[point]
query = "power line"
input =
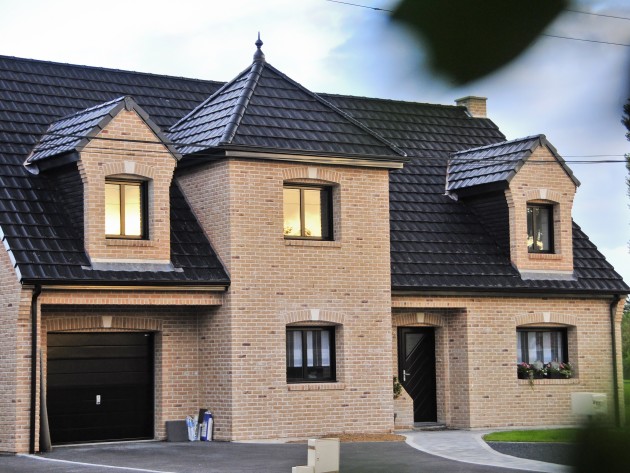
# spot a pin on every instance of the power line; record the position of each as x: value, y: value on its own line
x: 585, y: 40
x: 361, y: 6
x: 204, y: 146
x: 542, y: 34
x: 598, y: 14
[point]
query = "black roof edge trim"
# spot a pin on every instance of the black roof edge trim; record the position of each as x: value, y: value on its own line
x: 61, y: 160
x: 125, y: 284
x: 480, y: 189
x: 494, y: 292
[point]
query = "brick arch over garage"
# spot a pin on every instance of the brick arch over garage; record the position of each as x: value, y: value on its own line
x: 102, y: 323
x: 545, y: 318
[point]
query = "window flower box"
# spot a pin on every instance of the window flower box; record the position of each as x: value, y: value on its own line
x: 538, y: 370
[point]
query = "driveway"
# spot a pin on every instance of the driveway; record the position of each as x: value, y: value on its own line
x: 223, y: 457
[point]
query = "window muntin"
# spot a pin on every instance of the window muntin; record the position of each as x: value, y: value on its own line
x: 540, y: 228
x: 310, y: 354
x: 540, y: 344
x: 307, y: 212
x: 125, y: 209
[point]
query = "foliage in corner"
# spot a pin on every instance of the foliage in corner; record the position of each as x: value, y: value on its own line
x: 397, y: 388
x: 467, y: 40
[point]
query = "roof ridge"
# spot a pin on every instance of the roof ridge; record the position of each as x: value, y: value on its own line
x: 540, y: 137
x: 337, y: 110
x: 173, y: 127
x: 102, y: 68
x: 247, y: 91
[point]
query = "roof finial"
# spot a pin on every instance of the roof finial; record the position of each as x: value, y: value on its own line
x: 259, y: 55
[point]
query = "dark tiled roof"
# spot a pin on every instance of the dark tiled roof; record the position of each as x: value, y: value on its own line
x: 437, y: 243
x: 496, y: 163
x: 73, y: 132
x: 41, y: 229
x: 264, y: 109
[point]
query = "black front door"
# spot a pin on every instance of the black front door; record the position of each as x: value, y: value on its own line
x: 100, y: 386
x: 416, y: 370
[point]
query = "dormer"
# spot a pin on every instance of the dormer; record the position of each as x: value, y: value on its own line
x: 531, y: 181
x: 126, y: 167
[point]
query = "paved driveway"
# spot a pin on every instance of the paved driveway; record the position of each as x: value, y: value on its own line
x: 222, y: 457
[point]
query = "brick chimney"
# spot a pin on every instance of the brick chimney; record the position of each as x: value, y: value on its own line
x: 476, y: 105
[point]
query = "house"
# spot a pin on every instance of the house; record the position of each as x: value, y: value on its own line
x: 277, y: 256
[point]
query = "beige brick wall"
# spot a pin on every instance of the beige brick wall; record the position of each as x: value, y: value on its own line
x: 177, y: 356
x: 541, y: 180
x: 478, y: 335
x: 15, y: 358
x: 131, y: 159
x: 277, y: 282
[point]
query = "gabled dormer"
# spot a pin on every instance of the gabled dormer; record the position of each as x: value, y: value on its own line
x: 126, y: 168
x: 532, y: 183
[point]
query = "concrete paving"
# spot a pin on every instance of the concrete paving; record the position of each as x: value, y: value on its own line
x: 424, y: 452
x: 468, y: 446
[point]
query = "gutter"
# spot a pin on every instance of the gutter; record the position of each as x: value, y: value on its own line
x: 615, y: 367
x: 36, y: 292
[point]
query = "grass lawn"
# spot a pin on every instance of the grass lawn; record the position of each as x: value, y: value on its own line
x: 543, y: 435
x: 551, y: 435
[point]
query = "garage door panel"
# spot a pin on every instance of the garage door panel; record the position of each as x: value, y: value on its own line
x: 104, y: 378
x: 78, y: 373
x: 96, y: 338
x: 97, y: 351
x: 98, y: 366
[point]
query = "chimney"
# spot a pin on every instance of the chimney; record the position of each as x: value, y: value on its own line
x: 476, y: 105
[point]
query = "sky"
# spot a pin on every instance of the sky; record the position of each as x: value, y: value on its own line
x: 571, y: 91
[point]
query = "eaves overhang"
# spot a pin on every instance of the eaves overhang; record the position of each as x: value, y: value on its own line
x: 148, y: 285
x: 495, y: 292
x: 300, y: 156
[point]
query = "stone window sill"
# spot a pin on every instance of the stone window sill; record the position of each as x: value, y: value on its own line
x: 316, y: 387
x: 318, y: 243
x: 126, y: 242
x: 544, y: 382
x: 545, y: 256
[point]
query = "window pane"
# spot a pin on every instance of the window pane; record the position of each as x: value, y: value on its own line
x: 530, y: 229
x: 312, y: 213
x: 543, y: 226
x: 519, y: 348
x: 531, y: 344
x: 133, y: 211
x: 325, y: 357
x: 541, y: 345
x: 292, y: 224
x: 112, y: 209
x: 294, y: 349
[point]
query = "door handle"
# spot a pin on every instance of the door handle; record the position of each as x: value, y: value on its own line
x: 405, y: 374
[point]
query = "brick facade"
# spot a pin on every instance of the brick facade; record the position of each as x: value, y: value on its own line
x: 277, y: 282
x: 127, y: 148
x: 541, y: 180
x: 227, y: 351
x: 477, y: 385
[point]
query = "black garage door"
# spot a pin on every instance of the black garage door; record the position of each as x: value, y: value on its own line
x: 100, y: 386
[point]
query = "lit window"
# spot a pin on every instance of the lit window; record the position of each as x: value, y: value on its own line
x: 540, y: 228
x: 125, y: 209
x: 307, y: 212
x: 541, y: 345
x: 310, y: 354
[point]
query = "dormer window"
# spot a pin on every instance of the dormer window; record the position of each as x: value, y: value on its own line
x: 126, y: 209
x: 540, y: 228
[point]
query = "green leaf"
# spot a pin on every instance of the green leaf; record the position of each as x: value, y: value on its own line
x: 468, y: 39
